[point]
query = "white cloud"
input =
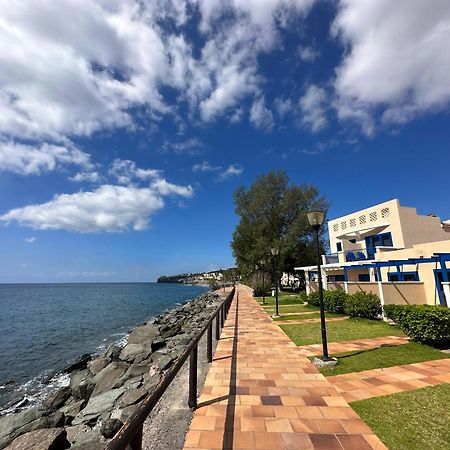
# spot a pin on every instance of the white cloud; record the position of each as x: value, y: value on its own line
x: 232, y: 170
x: 308, y: 54
x: 30, y: 240
x: 190, y: 146
x: 108, y: 208
x: 205, y: 166
x: 283, y: 106
x: 34, y: 160
x: 398, y: 59
x: 55, y: 84
x: 92, y: 177
x: 125, y: 171
x: 313, y: 108
x: 260, y: 116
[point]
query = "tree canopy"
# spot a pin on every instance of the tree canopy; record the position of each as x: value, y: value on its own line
x: 272, y: 213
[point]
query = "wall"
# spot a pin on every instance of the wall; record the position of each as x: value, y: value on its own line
x: 336, y: 286
x: 404, y: 293
x: 362, y: 287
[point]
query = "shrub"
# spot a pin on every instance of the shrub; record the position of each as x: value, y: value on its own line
x: 394, y: 312
x: 334, y: 301
x: 427, y: 324
x: 313, y: 299
x: 363, y: 304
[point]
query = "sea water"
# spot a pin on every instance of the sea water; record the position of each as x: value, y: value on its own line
x: 44, y: 327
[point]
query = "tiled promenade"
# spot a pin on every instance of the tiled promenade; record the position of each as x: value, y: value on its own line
x: 262, y: 393
x: 350, y: 346
x: 379, y: 382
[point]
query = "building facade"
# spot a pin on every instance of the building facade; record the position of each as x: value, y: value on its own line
x: 388, y: 249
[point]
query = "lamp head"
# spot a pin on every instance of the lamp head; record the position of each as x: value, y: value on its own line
x: 274, y: 251
x: 315, y: 218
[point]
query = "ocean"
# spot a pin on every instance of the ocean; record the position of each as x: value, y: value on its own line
x: 44, y: 327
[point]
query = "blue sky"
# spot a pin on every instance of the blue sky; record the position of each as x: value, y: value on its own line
x: 125, y: 130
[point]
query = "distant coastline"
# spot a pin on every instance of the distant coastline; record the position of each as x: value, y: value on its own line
x: 213, y: 277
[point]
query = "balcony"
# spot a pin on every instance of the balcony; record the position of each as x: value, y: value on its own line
x: 358, y: 255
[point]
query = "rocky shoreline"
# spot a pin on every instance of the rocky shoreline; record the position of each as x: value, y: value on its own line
x: 105, y: 390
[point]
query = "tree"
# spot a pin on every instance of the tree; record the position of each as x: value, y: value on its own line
x: 273, y: 213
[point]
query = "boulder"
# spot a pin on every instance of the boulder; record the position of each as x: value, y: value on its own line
x: 71, y: 409
x: 150, y: 381
x: 132, y: 396
x: 112, y: 352
x: 132, y: 352
x: 74, y: 433
x: 163, y: 361
x: 81, y: 385
x: 91, y: 440
x: 97, y: 364
x: 158, y: 343
x: 57, y: 399
x: 46, y: 439
x: 144, y: 335
x: 170, y: 330
x: 79, y: 364
x: 108, y: 377
x: 110, y: 427
x: 31, y: 419
x: 98, y: 405
x: 126, y: 412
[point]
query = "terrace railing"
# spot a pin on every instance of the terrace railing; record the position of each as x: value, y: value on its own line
x: 130, y: 435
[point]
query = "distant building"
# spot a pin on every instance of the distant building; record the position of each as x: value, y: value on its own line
x: 390, y: 250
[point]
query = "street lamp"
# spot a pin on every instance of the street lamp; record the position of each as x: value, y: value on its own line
x: 315, y: 219
x: 275, y: 251
x: 262, y: 265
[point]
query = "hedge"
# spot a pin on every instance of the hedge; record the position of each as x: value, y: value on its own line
x: 427, y: 324
x: 361, y: 304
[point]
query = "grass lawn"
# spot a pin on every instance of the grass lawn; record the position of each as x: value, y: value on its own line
x: 377, y: 358
x: 313, y: 315
x: 343, y: 330
x: 289, y: 299
x: 414, y: 420
x: 283, y: 309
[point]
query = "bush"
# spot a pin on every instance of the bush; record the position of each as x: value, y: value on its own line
x: 313, y: 299
x: 334, y: 301
x: 427, y: 324
x: 363, y: 304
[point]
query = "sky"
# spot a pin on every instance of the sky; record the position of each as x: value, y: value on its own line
x: 126, y: 126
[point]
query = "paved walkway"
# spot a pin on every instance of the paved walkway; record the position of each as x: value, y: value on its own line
x: 262, y: 393
x: 379, y: 382
x: 350, y: 346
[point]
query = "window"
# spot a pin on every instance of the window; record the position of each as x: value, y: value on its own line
x: 343, y: 225
x: 373, y: 216
x: 339, y: 246
x: 353, y: 222
x: 385, y: 213
x: 336, y: 278
x: 411, y: 276
x: 393, y: 277
x: 335, y: 227
x: 362, y: 220
x: 363, y: 277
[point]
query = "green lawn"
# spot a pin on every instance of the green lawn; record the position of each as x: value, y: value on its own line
x: 284, y: 299
x: 414, y: 420
x: 343, y: 330
x: 313, y: 315
x: 283, y: 309
x: 377, y: 358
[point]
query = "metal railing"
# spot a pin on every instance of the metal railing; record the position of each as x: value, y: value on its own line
x: 130, y: 435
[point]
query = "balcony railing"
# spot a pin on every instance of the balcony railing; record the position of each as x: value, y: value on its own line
x: 331, y: 259
x: 358, y: 255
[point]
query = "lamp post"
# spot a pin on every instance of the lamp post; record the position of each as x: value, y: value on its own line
x: 275, y: 251
x: 262, y: 265
x: 315, y: 219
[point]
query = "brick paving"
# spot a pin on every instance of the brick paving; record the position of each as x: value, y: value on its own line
x: 379, y: 382
x: 350, y: 346
x: 262, y: 393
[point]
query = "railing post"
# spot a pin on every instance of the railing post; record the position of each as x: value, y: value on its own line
x: 222, y: 319
x: 209, y: 343
x: 192, y: 401
x: 218, y: 325
x: 136, y: 443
